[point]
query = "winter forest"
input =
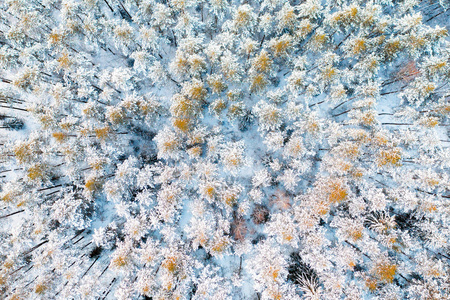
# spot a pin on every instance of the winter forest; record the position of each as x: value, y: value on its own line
x: 225, y: 149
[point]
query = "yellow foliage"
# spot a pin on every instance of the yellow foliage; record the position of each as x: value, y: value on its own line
x: 276, y: 295
x: 428, y: 88
x: 262, y: 62
x: 384, y: 272
x: 415, y: 42
x: 102, y: 133
x: 35, y: 172
x: 85, y: 132
x: 27, y: 20
x: 183, y: 107
x: 147, y: 107
x: 217, y: 85
x: 351, y: 150
x: 242, y: 18
x: 357, y: 173
x: 233, y: 161
x: 359, y: 46
x: 92, y: 184
x: 8, y: 264
x: 230, y: 199
x: 54, y: 38
x: 371, y: 284
x: 373, y: 64
x: 209, y: 191
x: 433, y: 182
x: 124, y: 33
x: 116, y: 115
x: 258, y: 82
x: 197, y: 63
x: 303, y: 29
x: 23, y: 152
x: 218, y: 106
x: 319, y: 39
x: 380, y: 140
x: 429, y: 207
x: 391, y: 48
x: 182, y: 124
x: 296, y: 81
x: 170, y: 263
x: 45, y: 120
x: 145, y: 289
x: 360, y: 135
x: 287, y: 17
x: 195, y: 91
x: 389, y: 157
x: 59, y: 136
x: 235, y: 110
x: 443, y: 109
x: 429, y: 121
x: 97, y: 164
x: 195, y: 151
x: 21, y: 203
x: 180, y: 63
x: 273, y: 273
x: 294, y: 147
x: 287, y: 236
x: 220, y: 244
x: 346, y: 16
x: 64, y: 61
x: 170, y: 145
x: 15, y: 296
x: 328, y: 72
x: 438, y: 33
x: 368, y: 118
x: 273, y: 116
x: 440, y: 65
x: 322, y: 207
x: 355, y: 234
x: 269, y: 114
x: 66, y: 125
x: 233, y: 95
x: 392, y: 241
x: 230, y: 72
x: 342, y: 165
x: 281, y: 46
x: 89, y: 110
x: 119, y: 261
x: 437, y: 66
x: 336, y: 191
x: 229, y: 196
x: 196, y: 137
x: 25, y: 79
x: 8, y: 197
x: 40, y: 288
x: 312, y: 126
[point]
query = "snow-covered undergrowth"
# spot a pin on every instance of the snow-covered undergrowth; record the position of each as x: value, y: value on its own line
x: 215, y: 149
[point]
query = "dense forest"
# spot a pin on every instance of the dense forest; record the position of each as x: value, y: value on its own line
x: 224, y: 149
